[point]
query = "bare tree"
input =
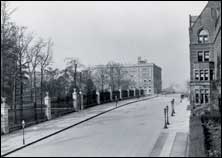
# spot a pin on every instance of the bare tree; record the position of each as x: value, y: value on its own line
x: 33, y: 56
x: 45, y: 59
x: 73, y: 64
x: 101, y: 77
x: 22, y: 45
x: 116, y: 74
x: 7, y: 42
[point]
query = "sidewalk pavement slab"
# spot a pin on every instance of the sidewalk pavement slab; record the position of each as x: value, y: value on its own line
x: 176, y: 143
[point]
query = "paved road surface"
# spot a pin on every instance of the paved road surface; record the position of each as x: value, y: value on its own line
x: 128, y: 131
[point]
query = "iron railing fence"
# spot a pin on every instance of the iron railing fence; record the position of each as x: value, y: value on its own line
x: 131, y: 93
x: 90, y: 99
x: 124, y: 94
x: 104, y: 97
x: 116, y: 94
x: 61, y: 105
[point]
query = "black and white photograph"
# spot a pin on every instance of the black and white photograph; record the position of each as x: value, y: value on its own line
x: 110, y: 78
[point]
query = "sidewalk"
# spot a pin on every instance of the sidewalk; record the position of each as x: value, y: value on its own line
x: 14, y: 140
x: 173, y: 141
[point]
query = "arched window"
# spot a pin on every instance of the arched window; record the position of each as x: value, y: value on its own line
x: 203, y: 36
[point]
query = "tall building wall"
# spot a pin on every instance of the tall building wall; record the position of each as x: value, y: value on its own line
x: 205, y: 50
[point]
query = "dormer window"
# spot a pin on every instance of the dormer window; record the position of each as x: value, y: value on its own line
x: 203, y: 36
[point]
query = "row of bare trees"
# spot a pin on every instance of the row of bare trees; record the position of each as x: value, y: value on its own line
x: 22, y: 55
x: 25, y: 68
x: 112, y: 75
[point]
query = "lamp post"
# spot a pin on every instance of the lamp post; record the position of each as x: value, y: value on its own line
x: 165, y: 123
x: 116, y: 100
x: 23, y: 131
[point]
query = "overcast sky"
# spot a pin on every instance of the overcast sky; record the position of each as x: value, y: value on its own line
x: 98, y: 32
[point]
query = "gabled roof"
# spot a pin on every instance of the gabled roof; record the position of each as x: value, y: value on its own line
x: 198, y: 17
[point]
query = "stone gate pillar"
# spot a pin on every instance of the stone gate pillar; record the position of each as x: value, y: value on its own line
x: 4, y: 116
x: 128, y: 93
x: 75, y: 101
x: 47, y: 100
x: 98, y: 97
x: 81, y: 100
x: 120, y: 94
x: 111, y: 94
x: 134, y: 92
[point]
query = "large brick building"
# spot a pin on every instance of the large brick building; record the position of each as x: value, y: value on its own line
x: 205, y: 58
x: 147, y: 76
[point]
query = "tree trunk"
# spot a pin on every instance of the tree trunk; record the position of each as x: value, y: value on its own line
x: 75, y: 75
x: 41, y: 91
x: 2, y: 80
x: 14, y: 99
x: 35, y: 103
x: 21, y: 88
x: 80, y: 78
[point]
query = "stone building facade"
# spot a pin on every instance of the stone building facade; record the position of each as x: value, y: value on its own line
x: 205, y: 54
x: 144, y: 75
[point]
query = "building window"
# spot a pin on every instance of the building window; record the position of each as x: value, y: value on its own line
x: 197, y: 96
x: 203, y: 36
x: 201, y: 96
x: 206, y: 56
x: 211, y: 75
x: 200, y: 56
x: 196, y: 74
x: 201, y: 75
x: 206, y: 95
x: 206, y: 75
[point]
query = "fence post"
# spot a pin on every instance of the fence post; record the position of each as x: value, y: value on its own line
x: 98, y: 97
x: 74, y: 97
x: 120, y: 94
x: 111, y: 94
x: 134, y: 92
x: 47, y: 100
x: 4, y: 116
x: 81, y: 100
x: 128, y: 93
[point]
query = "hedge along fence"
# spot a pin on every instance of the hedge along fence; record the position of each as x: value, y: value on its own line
x: 197, y: 144
x: 212, y: 133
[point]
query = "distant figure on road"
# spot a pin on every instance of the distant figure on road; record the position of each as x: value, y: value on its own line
x: 116, y: 99
x: 138, y: 96
x: 181, y: 97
